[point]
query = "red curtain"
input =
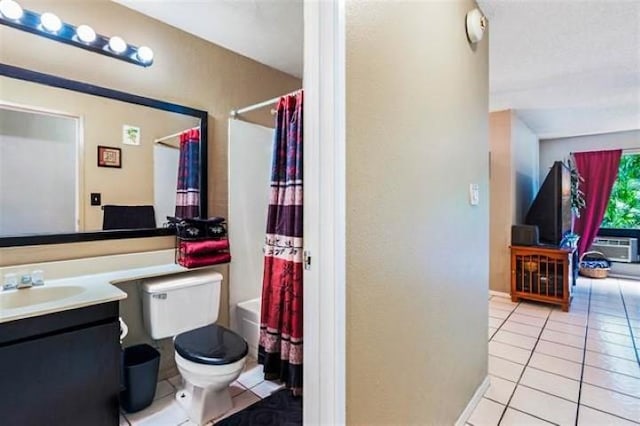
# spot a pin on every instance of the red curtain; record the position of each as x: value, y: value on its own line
x: 188, y: 193
x: 280, y: 348
x: 599, y: 170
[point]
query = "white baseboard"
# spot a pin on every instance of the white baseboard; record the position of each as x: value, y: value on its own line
x: 475, y: 399
x: 499, y: 294
x: 626, y: 277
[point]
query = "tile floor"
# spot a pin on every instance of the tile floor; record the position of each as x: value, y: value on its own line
x: 546, y: 366
x: 165, y: 410
x: 577, y: 368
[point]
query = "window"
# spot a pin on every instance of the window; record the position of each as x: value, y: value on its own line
x: 623, y: 210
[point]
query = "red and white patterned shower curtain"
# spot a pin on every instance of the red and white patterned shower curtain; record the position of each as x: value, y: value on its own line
x: 280, y: 348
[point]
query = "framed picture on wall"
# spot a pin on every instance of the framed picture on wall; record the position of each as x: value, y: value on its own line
x: 109, y: 157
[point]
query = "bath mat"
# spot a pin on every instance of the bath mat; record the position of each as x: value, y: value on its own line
x: 281, y: 408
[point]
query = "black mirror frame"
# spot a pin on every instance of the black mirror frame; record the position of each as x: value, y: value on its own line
x: 78, y: 86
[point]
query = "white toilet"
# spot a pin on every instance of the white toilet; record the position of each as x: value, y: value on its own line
x: 209, y: 356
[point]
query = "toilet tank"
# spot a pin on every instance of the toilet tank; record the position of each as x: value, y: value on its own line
x: 173, y: 304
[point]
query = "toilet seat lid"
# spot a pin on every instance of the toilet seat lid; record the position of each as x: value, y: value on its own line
x: 212, y: 345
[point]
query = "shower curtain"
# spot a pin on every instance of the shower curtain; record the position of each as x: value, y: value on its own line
x: 280, y: 347
x: 188, y: 193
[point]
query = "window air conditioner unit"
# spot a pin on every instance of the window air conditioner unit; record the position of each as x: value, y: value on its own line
x: 617, y: 249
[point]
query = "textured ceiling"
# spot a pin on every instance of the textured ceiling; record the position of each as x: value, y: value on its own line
x: 268, y: 31
x: 568, y: 67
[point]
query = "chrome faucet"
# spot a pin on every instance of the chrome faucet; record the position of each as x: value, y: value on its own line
x: 25, y: 282
x: 10, y: 282
x: 36, y: 278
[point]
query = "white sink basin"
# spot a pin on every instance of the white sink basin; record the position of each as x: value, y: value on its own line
x: 57, y: 296
x: 38, y: 295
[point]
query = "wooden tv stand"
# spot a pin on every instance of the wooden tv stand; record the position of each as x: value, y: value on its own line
x: 543, y: 274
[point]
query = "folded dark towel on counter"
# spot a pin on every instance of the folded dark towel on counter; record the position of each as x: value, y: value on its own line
x: 128, y: 217
x: 207, y: 260
x: 197, y: 248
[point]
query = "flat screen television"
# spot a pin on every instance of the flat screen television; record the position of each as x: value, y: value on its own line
x: 551, y: 209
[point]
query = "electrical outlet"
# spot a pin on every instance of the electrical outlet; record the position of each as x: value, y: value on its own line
x: 96, y: 199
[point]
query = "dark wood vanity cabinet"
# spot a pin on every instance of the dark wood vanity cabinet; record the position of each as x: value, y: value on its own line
x: 61, y: 369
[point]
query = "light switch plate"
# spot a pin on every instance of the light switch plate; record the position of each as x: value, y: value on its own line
x: 474, y: 194
x: 96, y: 199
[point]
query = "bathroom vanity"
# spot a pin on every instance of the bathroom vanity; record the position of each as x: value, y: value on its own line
x: 60, y: 354
x: 62, y: 368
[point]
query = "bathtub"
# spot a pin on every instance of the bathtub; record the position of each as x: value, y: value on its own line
x: 248, y: 314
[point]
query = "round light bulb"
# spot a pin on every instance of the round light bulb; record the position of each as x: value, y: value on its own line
x: 50, y: 22
x: 10, y: 9
x: 117, y: 44
x: 145, y: 54
x: 86, y: 34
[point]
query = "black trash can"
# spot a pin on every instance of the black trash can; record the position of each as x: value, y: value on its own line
x: 139, y: 374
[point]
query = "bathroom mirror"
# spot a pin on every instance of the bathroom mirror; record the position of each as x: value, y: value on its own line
x: 80, y: 162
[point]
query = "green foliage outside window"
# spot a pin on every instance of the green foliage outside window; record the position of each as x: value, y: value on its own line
x: 623, y: 210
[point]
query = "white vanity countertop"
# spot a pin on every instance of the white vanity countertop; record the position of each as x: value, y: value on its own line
x: 74, y: 292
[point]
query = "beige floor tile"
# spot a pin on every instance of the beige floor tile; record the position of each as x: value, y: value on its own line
x: 486, y: 413
x: 562, y: 367
x: 500, y: 390
x: 498, y: 313
x: 509, y: 352
x: 590, y: 417
x: 505, y: 369
x: 514, y: 339
x: 607, y: 318
x: 611, y: 349
x: 615, y: 338
x: 519, y: 328
x: 551, y: 383
x: 566, y: 328
x: 528, y: 320
x: 569, y: 318
x: 533, y: 310
x: 517, y: 418
x: 266, y: 388
x: 251, y: 377
x: 617, y: 365
x: 561, y: 351
x: 562, y: 338
x: 495, y: 322
x: 163, y: 389
x: 611, y: 402
x: 163, y: 411
x: 614, y: 381
x: 544, y: 406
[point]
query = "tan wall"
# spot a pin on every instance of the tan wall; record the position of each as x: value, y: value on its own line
x: 187, y: 70
x: 514, y: 184
x: 417, y: 252
x: 501, y: 210
x: 526, y: 161
x: 102, y: 121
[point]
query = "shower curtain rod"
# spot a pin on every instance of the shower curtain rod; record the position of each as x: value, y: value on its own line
x: 235, y: 113
x: 165, y: 138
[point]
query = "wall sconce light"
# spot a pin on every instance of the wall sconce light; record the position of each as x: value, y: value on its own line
x: 51, y: 26
x: 476, y: 24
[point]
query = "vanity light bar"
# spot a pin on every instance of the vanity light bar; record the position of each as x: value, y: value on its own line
x: 50, y: 26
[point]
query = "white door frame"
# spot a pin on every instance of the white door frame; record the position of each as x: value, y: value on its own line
x: 324, y: 399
